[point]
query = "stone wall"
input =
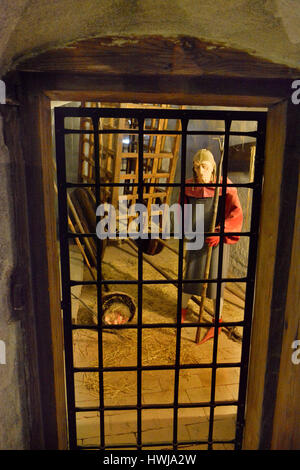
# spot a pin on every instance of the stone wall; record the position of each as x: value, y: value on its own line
x: 13, y: 397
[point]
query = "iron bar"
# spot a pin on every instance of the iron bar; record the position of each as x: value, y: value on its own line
x: 154, y: 132
x: 140, y: 289
x: 171, y: 185
x: 65, y: 276
x: 189, y: 114
x: 99, y: 290
x: 184, y: 125
x: 155, y: 406
x: 220, y: 267
x: 203, y: 365
x: 157, y: 281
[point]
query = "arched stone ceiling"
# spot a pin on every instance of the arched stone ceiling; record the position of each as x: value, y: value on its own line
x: 267, y: 29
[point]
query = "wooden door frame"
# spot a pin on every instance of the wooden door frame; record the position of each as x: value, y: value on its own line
x: 37, y: 91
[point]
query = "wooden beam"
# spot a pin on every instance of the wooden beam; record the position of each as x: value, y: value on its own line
x: 154, y: 55
x: 36, y: 120
x: 282, y: 420
x: 286, y: 428
x: 265, y: 273
x: 181, y: 90
x: 271, y: 314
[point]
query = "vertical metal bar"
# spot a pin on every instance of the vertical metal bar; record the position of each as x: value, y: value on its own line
x: 140, y: 288
x: 184, y: 124
x: 99, y: 286
x: 219, y: 277
x: 252, y: 256
x: 65, y: 274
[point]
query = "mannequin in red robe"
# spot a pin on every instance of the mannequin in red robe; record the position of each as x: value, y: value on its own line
x: 204, y: 171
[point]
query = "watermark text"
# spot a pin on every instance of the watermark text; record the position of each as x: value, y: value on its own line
x: 296, y: 94
x: 2, y: 352
x: 135, y: 222
x: 2, y: 92
x: 296, y: 354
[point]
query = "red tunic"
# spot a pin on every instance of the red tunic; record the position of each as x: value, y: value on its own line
x: 233, y: 209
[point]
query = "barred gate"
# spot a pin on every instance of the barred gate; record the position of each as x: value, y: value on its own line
x: 210, y: 125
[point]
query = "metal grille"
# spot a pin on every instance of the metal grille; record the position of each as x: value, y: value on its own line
x: 64, y: 185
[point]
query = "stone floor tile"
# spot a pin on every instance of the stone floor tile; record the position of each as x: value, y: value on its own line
x: 162, y: 415
x: 164, y: 397
x: 229, y: 354
x: 166, y: 379
x: 191, y: 415
x: 91, y: 441
x: 227, y: 376
x: 120, y: 439
x: 120, y: 399
x: 198, y: 431
x: 164, y: 435
x: 158, y: 397
x: 200, y: 394
x: 150, y: 383
x: 222, y: 392
x: 228, y: 446
x: 204, y: 375
x: 221, y: 411
x: 183, y: 396
x: 122, y: 423
x: 193, y: 447
x: 187, y: 380
x: 234, y: 390
x: 224, y: 429
x: 88, y: 427
x: 218, y: 447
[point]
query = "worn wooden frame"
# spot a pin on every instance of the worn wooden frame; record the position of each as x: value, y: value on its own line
x: 37, y: 91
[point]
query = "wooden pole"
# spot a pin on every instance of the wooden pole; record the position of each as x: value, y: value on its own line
x: 251, y: 176
x: 209, y: 251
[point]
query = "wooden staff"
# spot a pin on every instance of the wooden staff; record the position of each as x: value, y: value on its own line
x: 251, y: 176
x: 209, y: 251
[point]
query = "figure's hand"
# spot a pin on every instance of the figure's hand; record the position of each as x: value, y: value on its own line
x: 212, y: 241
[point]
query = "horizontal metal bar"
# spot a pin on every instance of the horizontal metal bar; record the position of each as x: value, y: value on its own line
x: 160, y: 113
x: 156, y: 444
x: 208, y: 234
x: 167, y: 132
x: 210, y: 365
x: 154, y: 281
x: 155, y: 406
x: 145, y: 184
x: 158, y: 185
x: 132, y: 326
x: 153, y: 325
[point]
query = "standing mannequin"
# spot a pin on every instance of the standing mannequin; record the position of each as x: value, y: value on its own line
x: 204, y: 171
